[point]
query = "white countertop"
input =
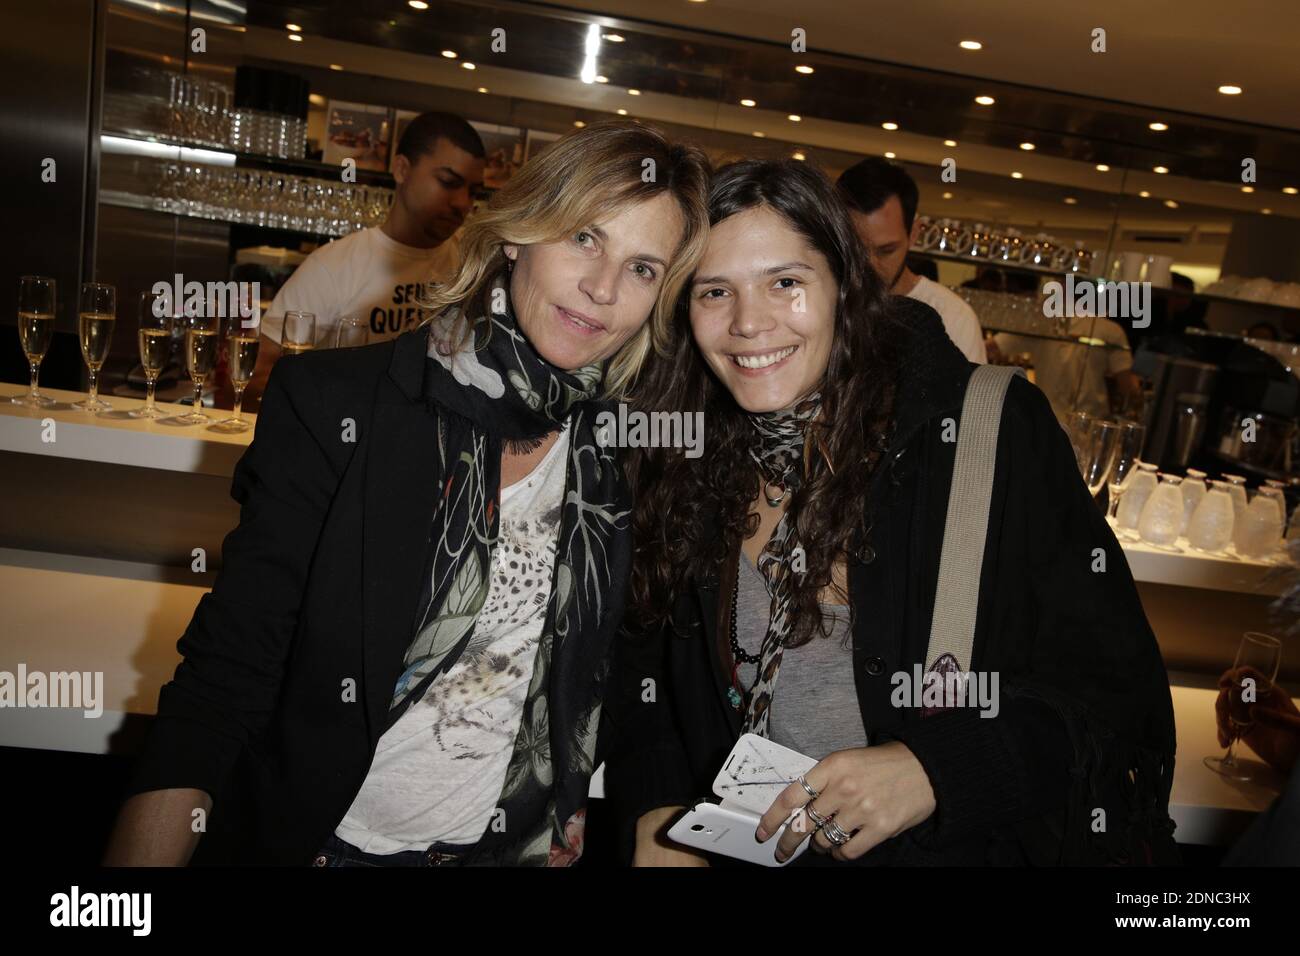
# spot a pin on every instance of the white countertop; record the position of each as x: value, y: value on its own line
x: 1194, y: 569
x: 115, y: 438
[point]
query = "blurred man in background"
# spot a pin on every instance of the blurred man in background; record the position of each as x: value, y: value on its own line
x: 378, y: 275
x: 882, y: 200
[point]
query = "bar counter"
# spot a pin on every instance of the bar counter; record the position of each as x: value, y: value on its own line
x: 98, y: 572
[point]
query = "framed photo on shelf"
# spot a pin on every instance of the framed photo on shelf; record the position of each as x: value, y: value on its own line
x: 359, y: 132
x: 505, y: 152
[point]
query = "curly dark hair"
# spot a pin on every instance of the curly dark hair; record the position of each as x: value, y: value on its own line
x: 674, y: 495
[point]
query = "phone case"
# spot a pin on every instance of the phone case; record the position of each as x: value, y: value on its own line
x: 756, y: 771
x: 720, y: 829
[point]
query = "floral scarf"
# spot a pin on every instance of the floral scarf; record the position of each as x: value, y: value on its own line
x: 491, y: 392
x: 778, y: 453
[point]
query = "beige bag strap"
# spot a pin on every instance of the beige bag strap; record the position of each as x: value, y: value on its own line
x: 956, y: 599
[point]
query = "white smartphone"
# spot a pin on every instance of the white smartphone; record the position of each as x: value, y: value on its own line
x: 726, y: 830
x: 752, y: 776
x: 756, y: 771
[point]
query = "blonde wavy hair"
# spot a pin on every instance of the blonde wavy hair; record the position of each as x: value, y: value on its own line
x: 587, y: 176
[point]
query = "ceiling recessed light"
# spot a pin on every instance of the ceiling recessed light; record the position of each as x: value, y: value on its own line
x: 891, y: 155
x: 417, y: 4
x: 890, y: 126
x: 1229, y: 90
x: 482, y: 89
x: 1171, y: 204
x: 336, y: 66
x: 1290, y: 190
x: 1071, y: 201
x: 449, y: 54
x: 468, y: 66
x: 947, y: 195
x: 1248, y: 189
x: 1266, y: 211
x: 1103, y: 168
x: 296, y: 37
x: 797, y: 154
x: 950, y: 142
x: 748, y: 103
x: 602, y: 79
x: 804, y: 68
x: 579, y: 123
x: 1144, y: 194
x: 759, y: 133
x: 315, y: 99
x: 985, y: 100
x: 633, y: 92
x: 613, y: 37
x: 971, y: 45
x: 795, y: 118
x: 1158, y: 127
x: 621, y: 112
x: 1027, y: 146
x: 1017, y: 175
x: 1160, y: 169
x: 293, y: 28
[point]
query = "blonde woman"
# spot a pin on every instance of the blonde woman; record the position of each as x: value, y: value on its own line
x: 402, y: 660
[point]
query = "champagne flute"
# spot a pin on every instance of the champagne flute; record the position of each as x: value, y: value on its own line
x: 1099, y: 454
x: 351, y: 333
x: 202, y: 341
x: 1264, y: 654
x: 241, y: 346
x: 96, y: 317
x: 299, y: 333
x: 1128, y: 448
x: 155, y: 337
x: 35, y: 330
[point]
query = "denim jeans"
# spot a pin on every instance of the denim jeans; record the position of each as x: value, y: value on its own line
x: 337, y: 852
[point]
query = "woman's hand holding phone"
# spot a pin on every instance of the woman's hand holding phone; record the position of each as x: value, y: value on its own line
x: 876, y: 791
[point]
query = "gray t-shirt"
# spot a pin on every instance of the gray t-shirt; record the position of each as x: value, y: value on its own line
x: 815, y: 704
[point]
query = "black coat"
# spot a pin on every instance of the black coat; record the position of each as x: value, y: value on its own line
x: 1060, y: 635
x: 317, y: 595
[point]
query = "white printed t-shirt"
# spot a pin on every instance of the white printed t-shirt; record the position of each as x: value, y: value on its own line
x: 364, y: 274
x: 438, y: 772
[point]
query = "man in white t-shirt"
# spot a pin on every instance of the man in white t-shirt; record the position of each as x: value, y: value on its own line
x: 1073, y: 375
x: 882, y: 200
x: 377, y: 275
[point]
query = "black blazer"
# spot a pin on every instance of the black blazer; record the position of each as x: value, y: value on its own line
x: 291, y: 660
x: 1002, y: 784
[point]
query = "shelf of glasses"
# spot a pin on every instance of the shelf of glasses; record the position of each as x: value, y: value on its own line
x: 114, y: 438
x: 1212, y: 572
x: 297, y: 167
x: 132, y: 201
x: 1078, y: 277
x: 1081, y: 341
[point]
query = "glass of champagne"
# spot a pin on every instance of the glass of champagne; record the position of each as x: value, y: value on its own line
x: 202, y: 342
x: 35, y: 331
x: 96, y: 317
x: 1126, y: 457
x: 241, y: 346
x: 155, y: 337
x: 1099, y: 454
x: 299, y: 333
x: 1264, y: 654
x: 352, y: 333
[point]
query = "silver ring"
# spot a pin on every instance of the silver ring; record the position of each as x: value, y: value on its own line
x: 835, y: 833
x: 807, y: 788
x: 816, y: 817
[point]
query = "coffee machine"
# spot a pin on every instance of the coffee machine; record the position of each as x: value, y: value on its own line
x: 1227, y: 404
